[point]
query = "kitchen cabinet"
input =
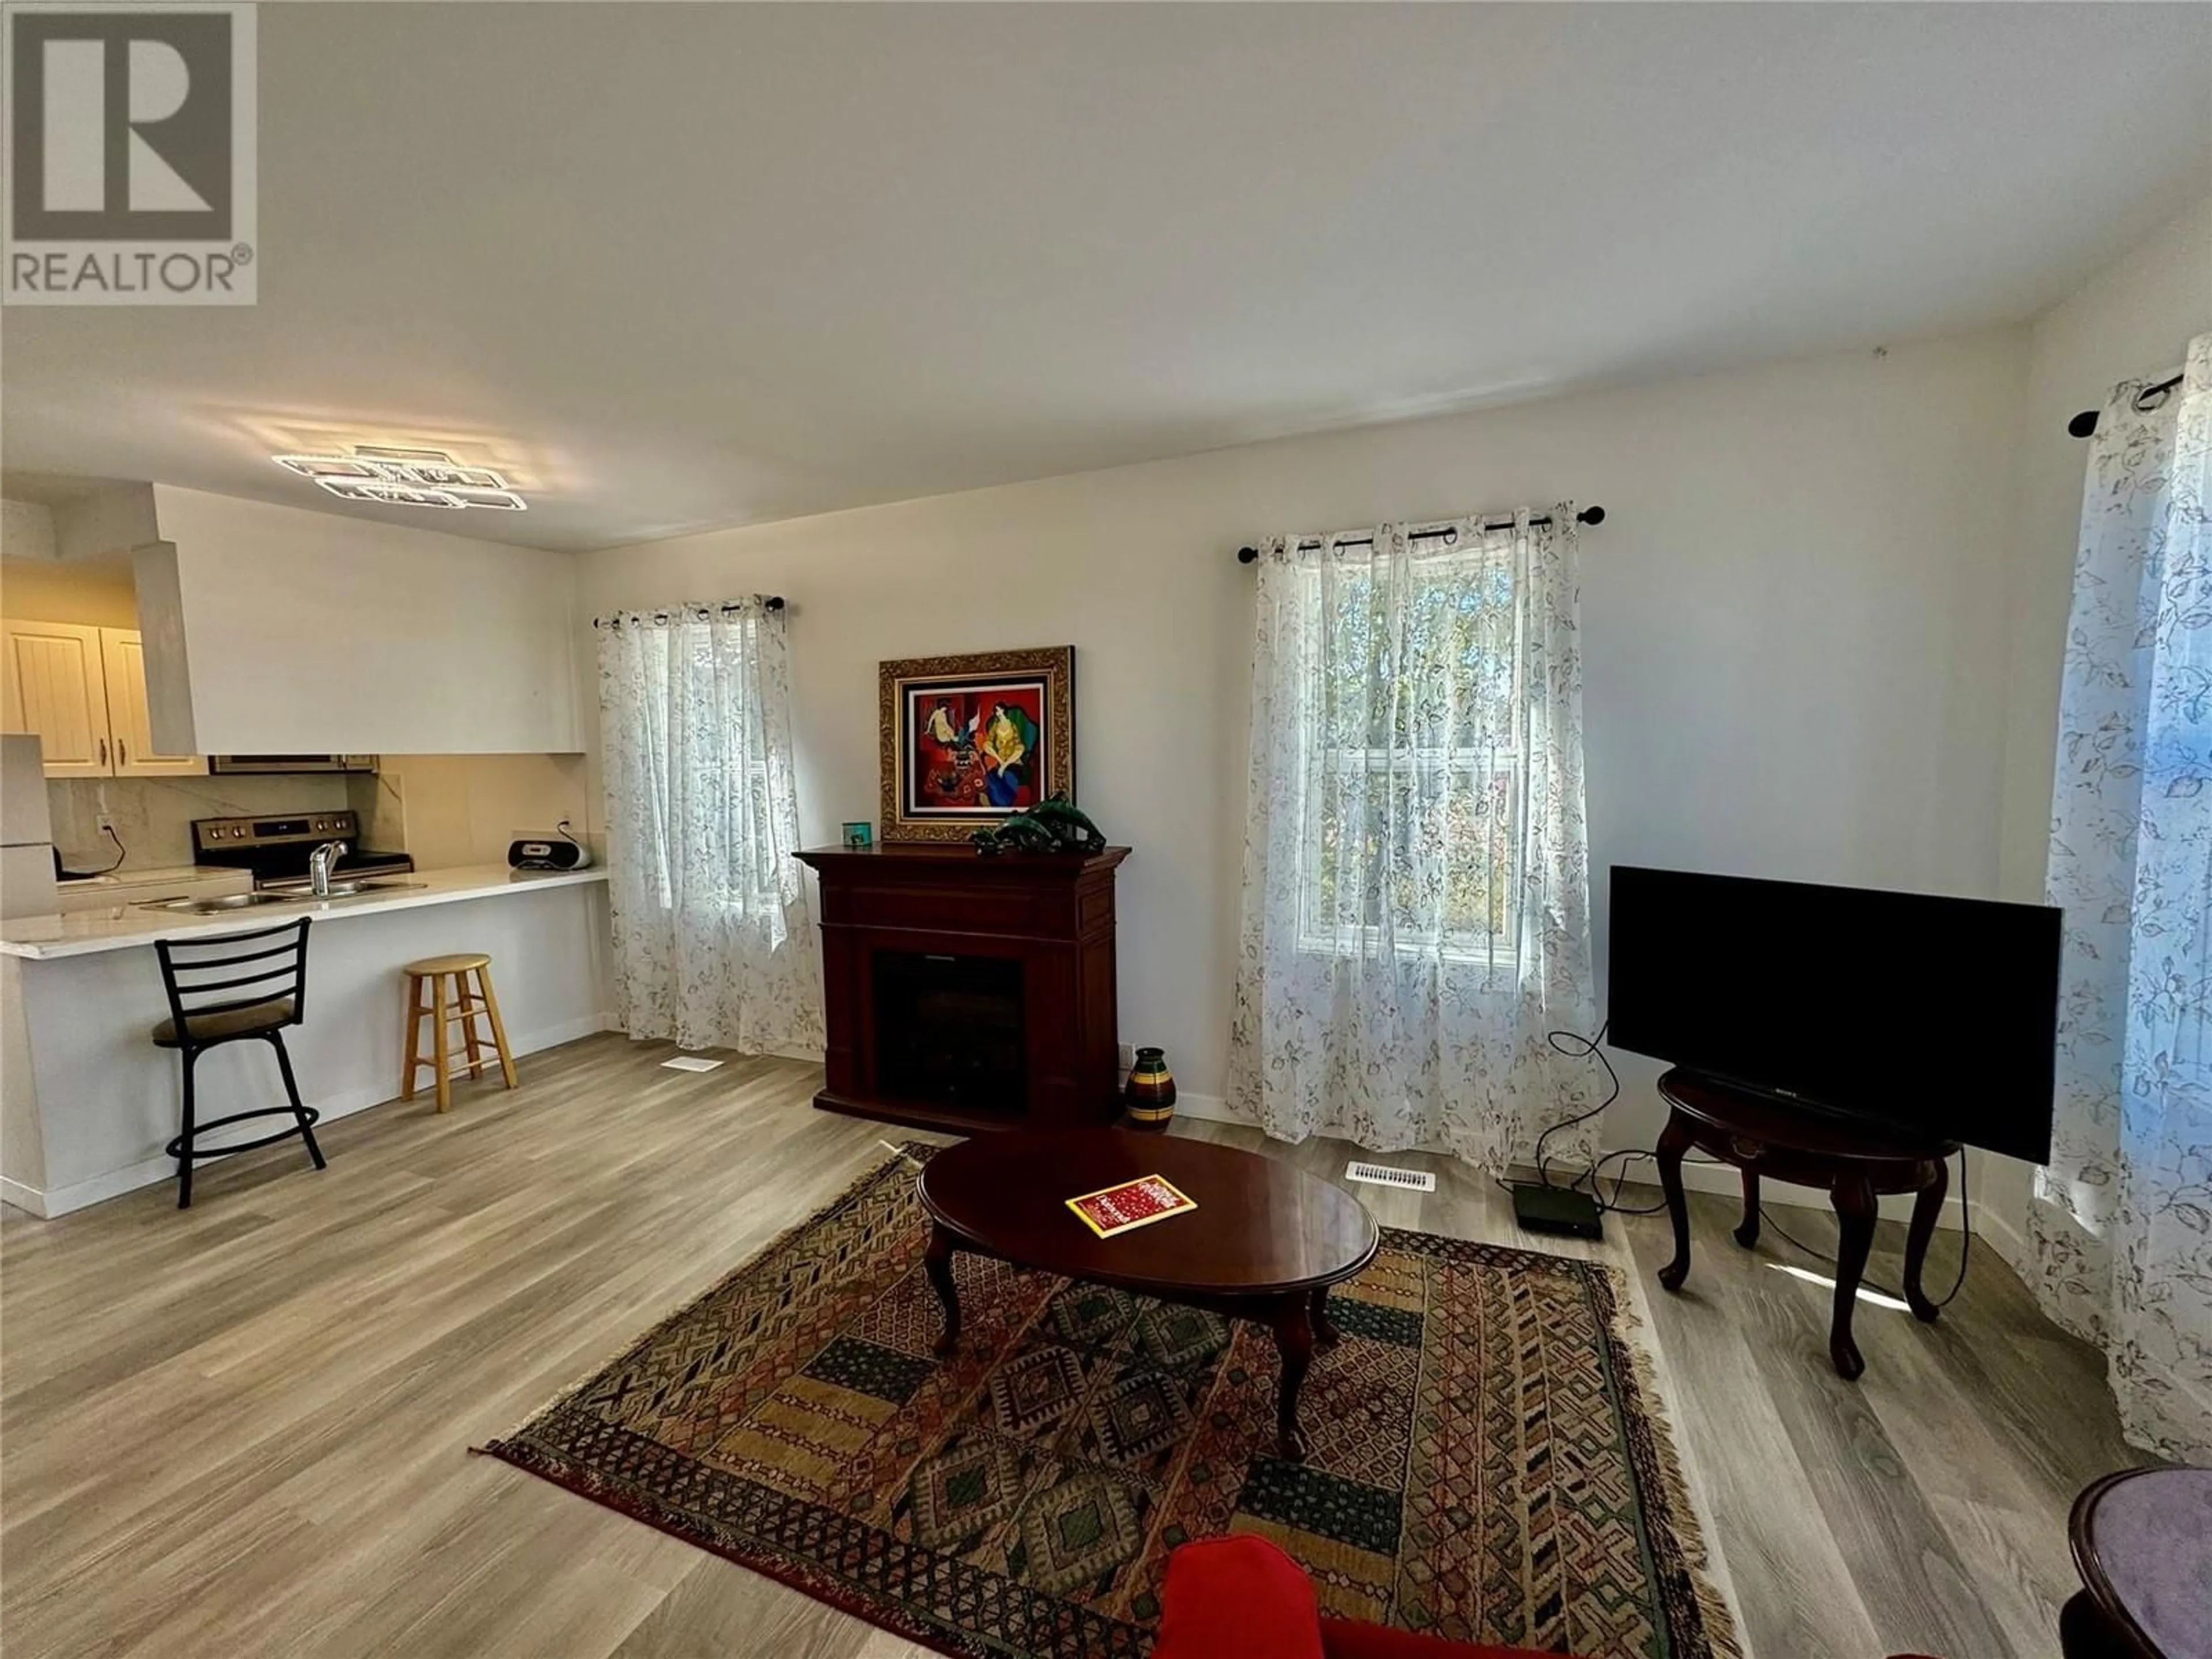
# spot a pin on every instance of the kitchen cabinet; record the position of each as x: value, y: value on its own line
x: 81, y: 691
x: 55, y: 687
x: 123, y: 658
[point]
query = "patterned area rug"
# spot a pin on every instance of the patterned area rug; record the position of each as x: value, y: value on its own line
x: 1486, y: 1463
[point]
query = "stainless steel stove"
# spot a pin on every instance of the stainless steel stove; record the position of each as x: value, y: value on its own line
x: 275, y: 849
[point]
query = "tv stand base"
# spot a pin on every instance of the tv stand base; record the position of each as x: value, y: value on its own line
x: 1760, y: 1134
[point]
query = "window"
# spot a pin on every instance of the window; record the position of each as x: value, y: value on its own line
x: 1411, y: 773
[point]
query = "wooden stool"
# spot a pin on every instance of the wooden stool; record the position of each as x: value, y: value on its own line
x: 450, y: 1004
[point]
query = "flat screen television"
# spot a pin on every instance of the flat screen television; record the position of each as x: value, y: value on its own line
x: 1935, y: 1016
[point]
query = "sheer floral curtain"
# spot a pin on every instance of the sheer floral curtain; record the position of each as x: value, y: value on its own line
x: 2121, y: 1224
x: 1416, y: 897
x: 714, y: 946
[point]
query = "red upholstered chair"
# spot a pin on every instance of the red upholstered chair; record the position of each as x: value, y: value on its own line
x: 1242, y: 1598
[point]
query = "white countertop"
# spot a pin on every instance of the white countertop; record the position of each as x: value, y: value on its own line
x: 121, y: 927
x: 156, y: 875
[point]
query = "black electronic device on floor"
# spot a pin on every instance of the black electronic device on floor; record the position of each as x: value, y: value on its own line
x: 1567, y: 1210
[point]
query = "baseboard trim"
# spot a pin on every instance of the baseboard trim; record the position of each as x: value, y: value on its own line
x: 1992, y: 1226
x: 1210, y: 1109
x: 148, y: 1172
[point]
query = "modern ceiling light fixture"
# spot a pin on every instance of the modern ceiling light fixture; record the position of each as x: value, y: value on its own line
x: 405, y: 477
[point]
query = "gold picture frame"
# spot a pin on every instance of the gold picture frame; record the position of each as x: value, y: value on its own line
x: 968, y: 741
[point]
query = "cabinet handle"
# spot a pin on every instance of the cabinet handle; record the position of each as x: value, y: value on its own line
x: 103, y: 751
x: 121, y: 757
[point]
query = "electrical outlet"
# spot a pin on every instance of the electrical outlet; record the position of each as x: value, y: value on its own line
x: 1124, y: 1055
x: 105, y: 821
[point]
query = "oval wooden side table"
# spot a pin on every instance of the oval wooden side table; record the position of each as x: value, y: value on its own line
x: 2143, y: 1543
x: 1856, y: 1162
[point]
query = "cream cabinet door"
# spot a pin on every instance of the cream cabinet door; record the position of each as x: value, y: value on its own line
x: 128, y: 722
x: 53, y: 683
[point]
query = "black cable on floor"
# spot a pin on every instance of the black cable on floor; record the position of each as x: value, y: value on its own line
x: 1575, y: 1046
x: 1965, y: 1242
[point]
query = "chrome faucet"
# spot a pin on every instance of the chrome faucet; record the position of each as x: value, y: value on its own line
x: 318, y: 866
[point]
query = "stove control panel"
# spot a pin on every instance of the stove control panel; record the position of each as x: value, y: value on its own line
x: 238, y: 835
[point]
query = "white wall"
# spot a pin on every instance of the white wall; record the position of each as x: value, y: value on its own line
x: 95, y: 592
x: 312, y: 632
x: 1794, y: 616
x: 26, y: 530
x: 450, y: 809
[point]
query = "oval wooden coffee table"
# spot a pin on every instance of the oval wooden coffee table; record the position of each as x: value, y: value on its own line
x: 1264, y: 1243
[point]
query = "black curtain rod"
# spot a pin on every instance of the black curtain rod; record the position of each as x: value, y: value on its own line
x: 1588, y: 515
x: 2084, y: 425
x: 773, y: 602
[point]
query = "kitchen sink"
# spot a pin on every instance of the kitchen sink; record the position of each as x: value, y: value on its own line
x: 292, y: 892
x: 301, y: 894
x: 213, y: 907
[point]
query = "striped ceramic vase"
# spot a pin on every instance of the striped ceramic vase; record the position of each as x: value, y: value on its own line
x: 1151, y: 1092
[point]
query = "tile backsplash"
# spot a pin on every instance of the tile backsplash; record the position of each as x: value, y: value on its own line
x: 153, y: 815
x: 449, y: 810
x: 445, y: 809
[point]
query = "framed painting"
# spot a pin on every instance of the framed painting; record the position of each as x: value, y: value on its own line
x: 969, y: 741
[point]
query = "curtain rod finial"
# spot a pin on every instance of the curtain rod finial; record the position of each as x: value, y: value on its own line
x: 2083, y: 425
x: 774, y: 602
x: 1247, y: 555
x: 1591, y: 515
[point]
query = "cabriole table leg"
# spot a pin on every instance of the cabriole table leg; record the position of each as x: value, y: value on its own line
x: 937, y: 1261
x: 1294, y: 1341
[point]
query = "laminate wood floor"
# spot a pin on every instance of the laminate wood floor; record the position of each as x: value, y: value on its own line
x: 243, y: 1429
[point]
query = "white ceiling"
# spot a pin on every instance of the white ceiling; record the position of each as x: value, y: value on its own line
x: 680, y: 266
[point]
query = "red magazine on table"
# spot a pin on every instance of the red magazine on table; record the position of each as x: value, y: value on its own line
x: 1138, y: 1203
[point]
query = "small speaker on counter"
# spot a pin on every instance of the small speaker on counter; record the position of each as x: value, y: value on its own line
x: 558, y: 851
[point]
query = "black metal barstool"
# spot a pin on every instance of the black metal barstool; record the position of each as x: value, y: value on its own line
x: 209, y: 1004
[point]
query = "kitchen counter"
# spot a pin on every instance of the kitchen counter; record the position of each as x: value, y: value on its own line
x: 141, y: 883
x: 151, y: 875
x: 88, y: 1103
x: 122, y: 926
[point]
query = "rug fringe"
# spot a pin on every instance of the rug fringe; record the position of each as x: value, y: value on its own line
x: 1724, y: 1630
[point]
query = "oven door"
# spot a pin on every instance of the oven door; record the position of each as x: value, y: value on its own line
x: 292, y: 763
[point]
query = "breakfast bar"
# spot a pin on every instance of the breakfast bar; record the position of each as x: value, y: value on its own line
x: 87, y: 1102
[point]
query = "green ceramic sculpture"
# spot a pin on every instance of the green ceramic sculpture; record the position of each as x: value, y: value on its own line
x: 1052, y: 826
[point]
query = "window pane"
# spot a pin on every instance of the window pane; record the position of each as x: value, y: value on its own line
x: 1411, y: 789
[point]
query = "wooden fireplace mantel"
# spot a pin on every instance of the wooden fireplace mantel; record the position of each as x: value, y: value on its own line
x: 1050, y: 913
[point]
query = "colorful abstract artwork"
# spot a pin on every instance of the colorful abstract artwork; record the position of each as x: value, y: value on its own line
x: 969, y: 740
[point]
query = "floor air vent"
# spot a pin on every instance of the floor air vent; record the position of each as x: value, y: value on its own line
x: 1384, y: 1174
